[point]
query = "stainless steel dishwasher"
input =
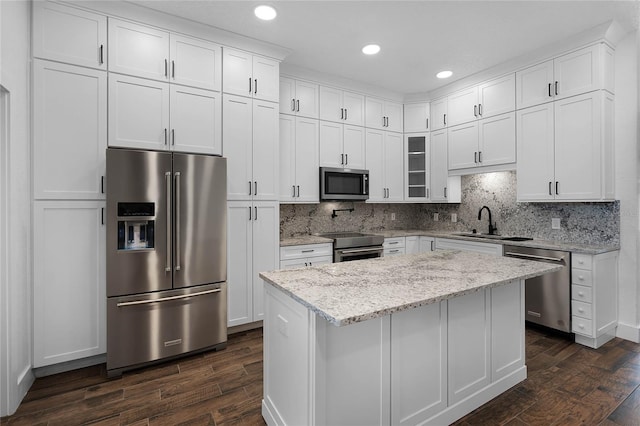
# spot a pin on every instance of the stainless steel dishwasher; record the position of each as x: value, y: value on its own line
x: 548, y: 297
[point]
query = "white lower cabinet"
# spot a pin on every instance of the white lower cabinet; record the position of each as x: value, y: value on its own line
x: 412, y: 244
x: 69, y: 281
x: 473, y: 246
x: 305, y: 255
x: 252, y: 247
x: 427, y: 244
x: 394, y: 246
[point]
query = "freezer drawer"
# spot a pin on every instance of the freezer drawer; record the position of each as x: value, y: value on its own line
x: 149, y: 327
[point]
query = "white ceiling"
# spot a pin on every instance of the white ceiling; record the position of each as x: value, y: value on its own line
x: 418, y: 38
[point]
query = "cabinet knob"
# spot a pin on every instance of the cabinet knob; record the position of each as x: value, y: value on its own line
x: 580, y: 310
x: 581, y: 294
x: 581, y: 278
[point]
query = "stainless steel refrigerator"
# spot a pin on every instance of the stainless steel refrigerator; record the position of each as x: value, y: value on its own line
x: 166, y: 256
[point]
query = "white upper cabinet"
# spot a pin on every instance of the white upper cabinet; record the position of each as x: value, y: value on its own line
x: 195, y: 62
x: 342, y: 145
x: 67, y: 34
x: 69, y: 124
x: 486, y: 100
x: 341, y: 106
x: 299, y: 98
x: 582, y: 71
x: 439, y: 114
x: 384, y: 160
x: 417, y: 171
x: 196, y: 120
x: 439, y: 172
x: 299, y: 162
x: 383, y: 115
x: 462, y: 106
x: 249, y: 75
x: 463, y: 146
x: 416, y: 117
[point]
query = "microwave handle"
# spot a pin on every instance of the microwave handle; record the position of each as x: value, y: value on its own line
x: 364, y: 185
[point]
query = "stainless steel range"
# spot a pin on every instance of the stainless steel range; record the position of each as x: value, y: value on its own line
x: 355, y: 246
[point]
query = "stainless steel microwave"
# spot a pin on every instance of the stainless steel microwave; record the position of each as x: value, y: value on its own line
x: 338, y: 184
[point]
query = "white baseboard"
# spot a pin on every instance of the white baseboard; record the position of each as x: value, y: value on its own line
x: 628, y: 332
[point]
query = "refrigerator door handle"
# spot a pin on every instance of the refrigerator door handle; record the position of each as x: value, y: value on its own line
x: 166, y: 299
x: 177, y: 192
x: 167, y: 178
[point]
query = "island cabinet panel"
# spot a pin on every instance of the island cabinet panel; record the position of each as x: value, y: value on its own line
x: 419, y: 338
x: 507, y: 330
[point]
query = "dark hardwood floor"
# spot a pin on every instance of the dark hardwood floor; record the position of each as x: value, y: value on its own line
x: 567, y: 384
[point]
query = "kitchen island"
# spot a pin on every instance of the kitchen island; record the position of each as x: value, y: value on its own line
x: 416, y: 339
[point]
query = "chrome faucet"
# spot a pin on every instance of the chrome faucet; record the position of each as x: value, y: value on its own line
x: 492, y: 227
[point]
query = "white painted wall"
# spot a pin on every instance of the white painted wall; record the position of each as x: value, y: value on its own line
x: 626, y: 136
x: 15, y: 278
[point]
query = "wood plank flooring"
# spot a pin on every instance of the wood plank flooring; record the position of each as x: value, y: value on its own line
x: 568, y: 384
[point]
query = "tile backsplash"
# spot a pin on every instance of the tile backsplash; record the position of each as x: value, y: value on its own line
x: 582, y: 223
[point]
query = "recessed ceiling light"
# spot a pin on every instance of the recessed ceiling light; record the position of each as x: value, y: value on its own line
x: 264, y: 12
x: 371, y: 49
x: 444, y: 74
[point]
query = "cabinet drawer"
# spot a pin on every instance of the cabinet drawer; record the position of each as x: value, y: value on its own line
x: 581, y: 293
x: 395, y: 242
x: 581, y: 309
x: 581, y: 277
x: 304, y: 251
x: 581, y: 261
x: 581, y: 326
x: 394, y: 251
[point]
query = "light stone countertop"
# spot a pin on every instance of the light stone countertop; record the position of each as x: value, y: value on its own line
x: 350, y: 292
x: 535, y: 243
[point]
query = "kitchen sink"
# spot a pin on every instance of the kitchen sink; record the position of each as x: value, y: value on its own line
x: 492, y: 237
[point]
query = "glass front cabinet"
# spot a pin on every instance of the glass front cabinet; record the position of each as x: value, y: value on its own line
x: 416, y: 147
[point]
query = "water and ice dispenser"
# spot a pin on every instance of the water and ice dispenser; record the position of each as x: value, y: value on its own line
x: 136, y: 226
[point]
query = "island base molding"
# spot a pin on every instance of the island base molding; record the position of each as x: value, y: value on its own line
x: 431, y: 364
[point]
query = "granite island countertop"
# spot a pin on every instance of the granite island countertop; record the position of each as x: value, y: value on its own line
x: 350, y: 292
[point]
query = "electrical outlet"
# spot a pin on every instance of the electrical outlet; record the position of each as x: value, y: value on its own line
x: 393, y: 216
x: 454, y: 217
x: 555, y: 223
x: 436, y: 217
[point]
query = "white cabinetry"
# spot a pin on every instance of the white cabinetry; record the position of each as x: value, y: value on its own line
x: 462, y: 106
x: 196, y: 120
x: 473, y: 246
x: 427, y: 244
x: 298, y: 98
x: 69, y: 281
x: 491, y: 98
x: 250, y: 75
x: 71, y: 35
x: 383, y: 115
x: 298, y: 159
x: 251, y: 147
x: 412, y: 244
x: 394, y: 246
x: 581, y: 71
x: 439, y: 114
x: 305, y: 255
x: 416, y: 117
x: 69, y: 128
x: 195, y: 62
x: 594, y: 297
x: 384, y: 160
x: 253, y: 239
x: 341, y: 106
x: 444, y: 188
x: 417, y: 166
x: 565, y: 149
x: 342, y: 145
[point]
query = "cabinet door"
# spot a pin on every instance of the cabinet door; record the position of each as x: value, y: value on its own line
x: 426, y: 244
x: 577, y: 72
x: 287, y: 97
x: 196, y: 63
x: 138, y: 112
x: 497, y: 140
x: 463, y: 146
x: 394, y: 166
x: 416, y: 117
x: 138, y: 50
x: 287, y: 158
x: 266, y: 249
x: 393, y: 112
x: 331, y: 135
x: 374, y: 109
x: 462, y: 106
x: 533, y: 85
x: 265, y: 150
x: 306, y: 160
x: 577, y: 147
x: 439, y: 114
x: 237, y: 72
x: 353, y: 147
x: 375, y: 164
x: 237, y: 128
x: 412, y: 245
x: 69, y: 125
x: 331, y: 107
x: 439, y: 166
x: 266, y: 76
x: 196, y: 120
x: 306, y: 99
x: 66, y: 34
x: 417, y: 164
x: 69, y: 281
x: 239, y: 262
x: 497, y: 96
x: 535, y: 167
x: 353, y: 108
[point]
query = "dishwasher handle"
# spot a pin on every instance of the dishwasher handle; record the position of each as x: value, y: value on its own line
x: 534, y: 257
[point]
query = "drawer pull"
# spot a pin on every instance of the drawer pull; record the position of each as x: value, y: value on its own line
x: 393, y: 242
x: 308, y: 251
x: 581, y: 294
x: 581, y: 326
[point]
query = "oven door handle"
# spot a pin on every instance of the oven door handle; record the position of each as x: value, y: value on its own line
x: 534, y: 257
x: 363, y: 250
